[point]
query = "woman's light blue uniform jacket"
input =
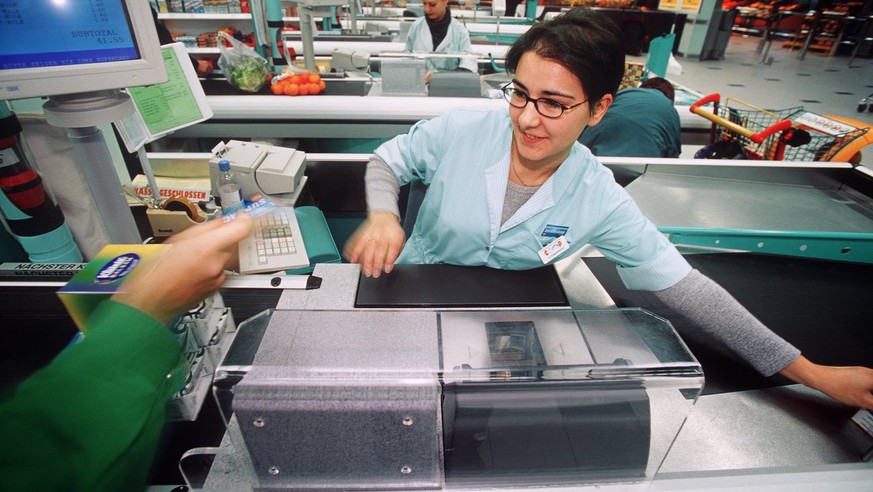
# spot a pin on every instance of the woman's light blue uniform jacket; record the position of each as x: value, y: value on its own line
x: 464, y: 158
x: 457, y: 40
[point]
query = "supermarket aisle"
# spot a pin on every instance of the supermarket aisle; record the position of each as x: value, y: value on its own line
x: 821, y: 84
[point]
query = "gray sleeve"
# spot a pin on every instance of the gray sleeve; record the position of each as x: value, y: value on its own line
x: 382, y: 187
x: 714, y: 312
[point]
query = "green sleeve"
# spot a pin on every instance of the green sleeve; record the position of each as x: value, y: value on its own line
x: 91, y: 419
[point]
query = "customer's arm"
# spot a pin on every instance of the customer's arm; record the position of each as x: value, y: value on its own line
x: 91, y: 419
x: 714, y: 311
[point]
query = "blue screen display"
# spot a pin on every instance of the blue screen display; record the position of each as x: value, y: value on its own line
x: 46, y: 33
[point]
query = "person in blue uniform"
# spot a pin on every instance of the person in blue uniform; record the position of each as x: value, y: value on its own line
x: 641, y: 122
x: 438, y: 32
x: 503, y: 184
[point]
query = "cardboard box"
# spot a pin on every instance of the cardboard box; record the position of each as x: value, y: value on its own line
x: 104, y: 275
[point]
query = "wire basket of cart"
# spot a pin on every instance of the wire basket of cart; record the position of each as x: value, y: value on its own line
x: 791, y: 134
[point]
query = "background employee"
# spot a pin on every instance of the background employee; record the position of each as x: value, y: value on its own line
x: 438, y: 32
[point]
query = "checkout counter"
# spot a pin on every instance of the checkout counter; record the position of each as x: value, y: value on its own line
x: 344, y: 396
x: 323, y: 350
x: 357, y: 121
x: 390, y: 372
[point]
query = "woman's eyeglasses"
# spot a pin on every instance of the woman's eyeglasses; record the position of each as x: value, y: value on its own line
x: 544, y: 106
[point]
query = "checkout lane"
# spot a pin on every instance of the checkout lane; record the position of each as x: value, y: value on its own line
x: 803, y: 431
x: 789, y: 436
x: 802, y: 436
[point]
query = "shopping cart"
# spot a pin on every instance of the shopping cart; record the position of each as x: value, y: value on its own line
x: 791, y: 134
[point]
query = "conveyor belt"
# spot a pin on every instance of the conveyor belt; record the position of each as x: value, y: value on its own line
x: 822, y: 307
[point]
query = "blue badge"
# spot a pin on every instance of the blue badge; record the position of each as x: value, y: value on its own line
x: 552, y: 230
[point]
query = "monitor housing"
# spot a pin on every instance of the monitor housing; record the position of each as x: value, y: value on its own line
x: 59, y: 47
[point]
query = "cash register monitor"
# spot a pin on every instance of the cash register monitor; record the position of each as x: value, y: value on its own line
x: 50, y: 48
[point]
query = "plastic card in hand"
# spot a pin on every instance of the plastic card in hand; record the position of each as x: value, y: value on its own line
x: 104, y: 275
x: 255, y: 207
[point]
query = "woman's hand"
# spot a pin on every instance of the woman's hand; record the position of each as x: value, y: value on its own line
x: 852, y: 385
x: 189, y: 271
x: 376, y: 244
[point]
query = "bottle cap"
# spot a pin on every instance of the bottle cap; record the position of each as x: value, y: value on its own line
x: 224, y: 165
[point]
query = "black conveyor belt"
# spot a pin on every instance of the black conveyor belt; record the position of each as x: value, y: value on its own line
x: 822, y: 307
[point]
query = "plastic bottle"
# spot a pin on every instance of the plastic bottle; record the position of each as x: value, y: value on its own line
x: 229, y: 190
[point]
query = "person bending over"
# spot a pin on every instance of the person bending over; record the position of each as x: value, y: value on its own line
x: 641, y: 122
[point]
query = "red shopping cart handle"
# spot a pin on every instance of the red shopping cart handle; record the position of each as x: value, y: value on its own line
x: 734, y: 127
x: 712, y: 98
x: 777, y: 127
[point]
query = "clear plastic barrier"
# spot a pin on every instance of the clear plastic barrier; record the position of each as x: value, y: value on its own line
x: 405, y: 400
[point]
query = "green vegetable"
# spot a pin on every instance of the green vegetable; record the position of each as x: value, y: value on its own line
x: 248, y: 74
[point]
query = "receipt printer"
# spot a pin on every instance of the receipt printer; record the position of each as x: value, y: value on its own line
x: 260, y: 168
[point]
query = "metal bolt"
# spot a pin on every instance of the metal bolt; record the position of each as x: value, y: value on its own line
x: 408, y: 421
x: 406, y: 470
x: 259, y: 422
x: 273, y: 470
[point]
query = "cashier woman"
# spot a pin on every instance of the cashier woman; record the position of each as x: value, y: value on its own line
x: 438, y: 32
x: 514, y: 190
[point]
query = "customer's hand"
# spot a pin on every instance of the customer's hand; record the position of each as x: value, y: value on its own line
x: 852, y: 385
x: 189, y: 271
x: 376, y: 244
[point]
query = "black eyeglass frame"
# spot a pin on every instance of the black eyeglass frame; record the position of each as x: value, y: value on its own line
x: 536, y: 102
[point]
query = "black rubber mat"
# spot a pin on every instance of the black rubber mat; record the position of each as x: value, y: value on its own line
x: 825, y: 308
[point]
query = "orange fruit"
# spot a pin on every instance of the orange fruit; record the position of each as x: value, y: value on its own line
x: 292, y: 89
x: 321, y: 85
x: 304, y: 89
x: 314, y: 88
x: 277, y: 89
x: 314, y: 78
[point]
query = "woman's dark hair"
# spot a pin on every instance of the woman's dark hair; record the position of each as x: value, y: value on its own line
x: 586, y: 42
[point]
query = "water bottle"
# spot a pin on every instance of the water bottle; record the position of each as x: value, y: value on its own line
x: 229, y: 190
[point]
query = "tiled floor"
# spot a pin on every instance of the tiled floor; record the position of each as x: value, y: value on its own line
x: 821, y: 84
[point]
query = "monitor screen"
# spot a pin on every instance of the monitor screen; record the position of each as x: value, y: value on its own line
x: 54, y: 47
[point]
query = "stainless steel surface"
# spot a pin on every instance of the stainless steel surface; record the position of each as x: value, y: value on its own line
x: 726, y: 198
x: 790, y: 426
x: 581, y: 286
